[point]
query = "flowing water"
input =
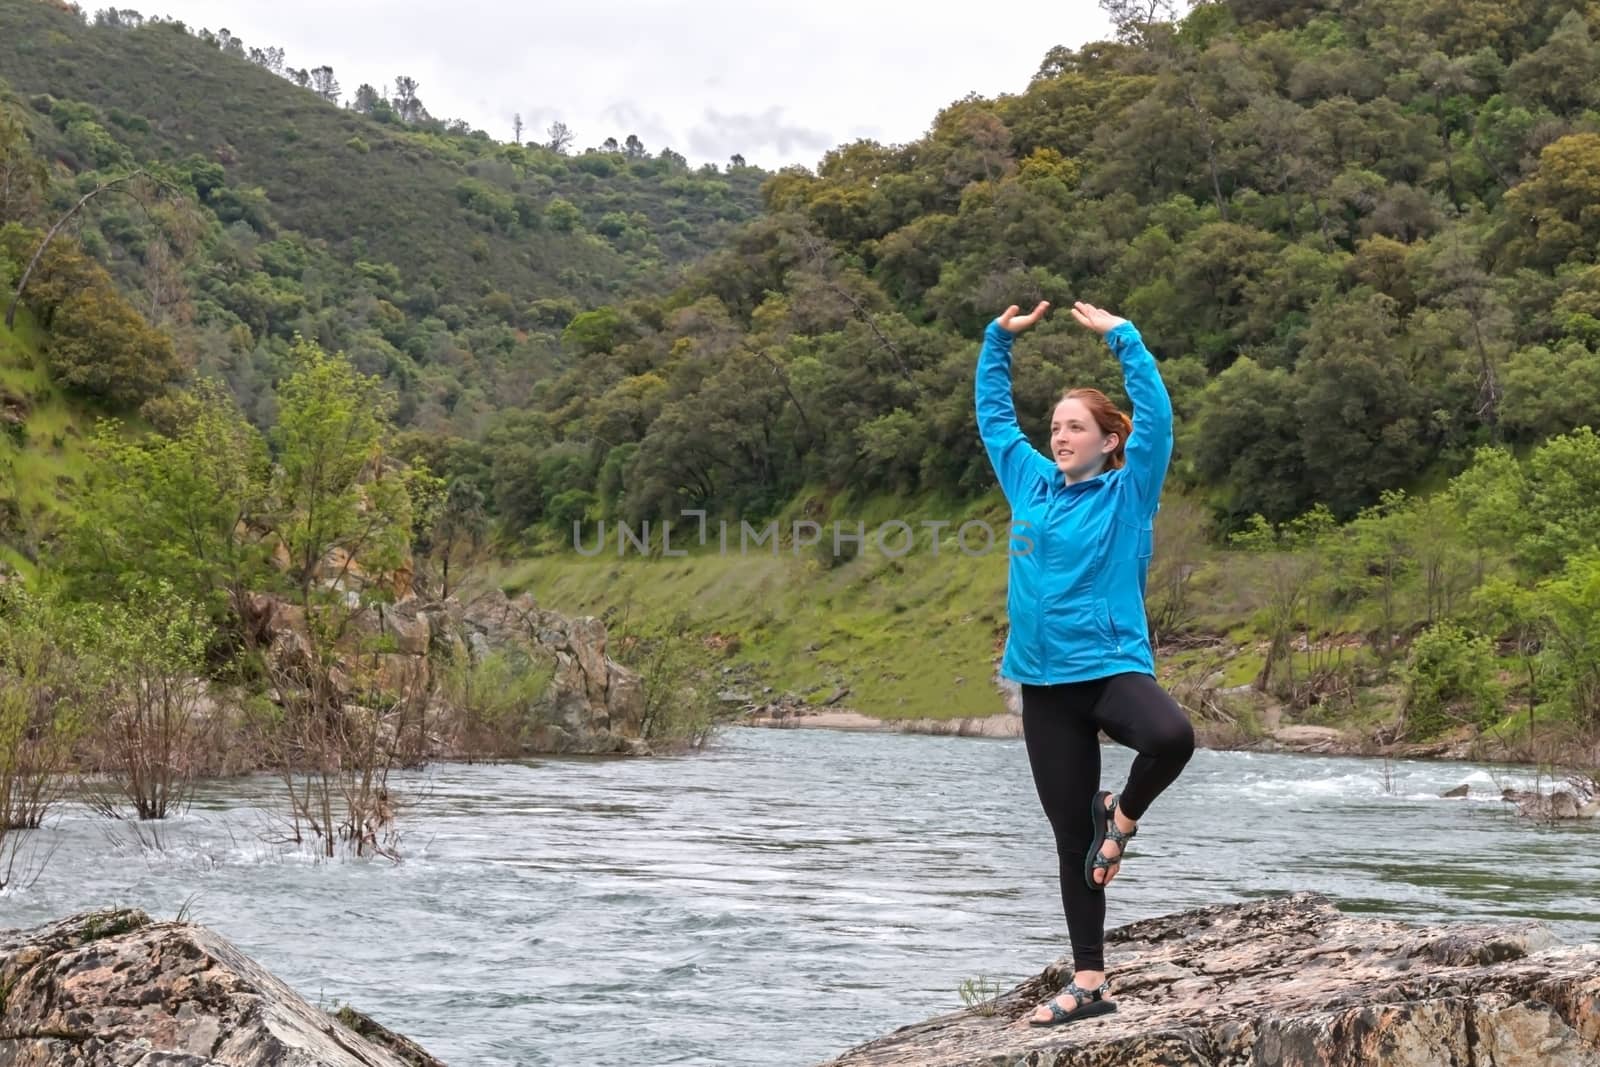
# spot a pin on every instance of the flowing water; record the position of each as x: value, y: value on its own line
x: 785, y: 895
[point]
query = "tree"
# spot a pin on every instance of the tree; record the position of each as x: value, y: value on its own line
x: 23, y: 176
x: 516, y: 128
x: 146, y: 656
x: 324, y: 84
x: 344, y: 514
x: 405, y: 102
x: 1563, y: 498
x: 459, y: 530
x: 633, y: 148
x: 1556, y: 205
x: 1457, y: 282
x: 367, y: 100
x: 1562, y: 73
x: 22, y: 282
x: 558, y: 138
x: 335, y: 490
x: 1289, y: 569
x: 1449, y: 677
x: 184, y: 509
x: 736, y: 160
x: 1246, y: 444
x: 1135, y: 18
x: 1570, y: 606
x: 1360, y: 430
x: 1550, y: 390
x: 268, y: 58
x: 43, y: 706
x: 100, y: 346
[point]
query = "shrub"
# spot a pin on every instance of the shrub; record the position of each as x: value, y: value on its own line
x: 1449, y: 678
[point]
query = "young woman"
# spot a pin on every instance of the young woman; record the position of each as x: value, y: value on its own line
x: 1079, y: 645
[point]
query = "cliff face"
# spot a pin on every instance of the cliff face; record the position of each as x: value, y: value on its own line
x: 1291, y: 982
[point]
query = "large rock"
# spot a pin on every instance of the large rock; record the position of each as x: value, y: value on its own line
x: 597, y: 705
x: 593, y: 704
x: 113, y: 989
x: 1291, y: 982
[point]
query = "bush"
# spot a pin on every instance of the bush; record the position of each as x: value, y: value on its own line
x: 1449, y: 678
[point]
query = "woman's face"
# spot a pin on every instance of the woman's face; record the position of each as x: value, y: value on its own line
x: 1076, y: 443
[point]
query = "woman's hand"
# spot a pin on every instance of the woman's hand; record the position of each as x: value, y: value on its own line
x: 1011, y: 322
x: 1099, y: 320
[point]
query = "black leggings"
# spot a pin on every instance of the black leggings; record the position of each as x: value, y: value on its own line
x: 1061, y: 725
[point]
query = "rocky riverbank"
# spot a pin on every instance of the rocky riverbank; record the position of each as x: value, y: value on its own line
x: 1290, y: 982
x: 788, y: 712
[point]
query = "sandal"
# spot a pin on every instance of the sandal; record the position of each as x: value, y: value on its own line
x: 1087, y: 1003
x: 1105, y: 829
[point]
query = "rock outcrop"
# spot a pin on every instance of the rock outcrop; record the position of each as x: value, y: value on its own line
x: 595, y: 704
x: 592, y: 704
x: 114, y: 989
x: 1291, y: 982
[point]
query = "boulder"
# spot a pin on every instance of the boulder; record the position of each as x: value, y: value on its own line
x: 114, y: 989
x: 1290, y: 982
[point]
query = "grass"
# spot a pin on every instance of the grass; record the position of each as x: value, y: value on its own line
x: 48, y: 461
x: 910, y: 637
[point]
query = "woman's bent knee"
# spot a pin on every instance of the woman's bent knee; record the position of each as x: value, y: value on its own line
x: 1176, y: 744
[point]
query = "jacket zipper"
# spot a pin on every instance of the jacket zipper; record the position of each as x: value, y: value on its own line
x: 1044, y: 627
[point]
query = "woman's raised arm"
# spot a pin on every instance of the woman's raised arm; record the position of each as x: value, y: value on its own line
x: 1016, y: 462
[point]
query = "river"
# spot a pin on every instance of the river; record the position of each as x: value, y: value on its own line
x: 784, y: 895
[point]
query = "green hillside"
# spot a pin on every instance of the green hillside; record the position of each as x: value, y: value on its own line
x: 461, y: 212
x: 447, y: 263
x: 41, y: 454
x: 1361, y: 242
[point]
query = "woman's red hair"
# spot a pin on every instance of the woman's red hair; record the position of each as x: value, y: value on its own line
x: 1108, y: 417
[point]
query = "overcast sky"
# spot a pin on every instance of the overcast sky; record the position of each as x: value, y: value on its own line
x: 778, y: 82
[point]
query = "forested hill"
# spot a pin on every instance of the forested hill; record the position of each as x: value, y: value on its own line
x: 1361, y: 236
x: 441, y: 258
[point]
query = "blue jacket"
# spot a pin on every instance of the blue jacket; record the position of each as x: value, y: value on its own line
x: 1079, y: 553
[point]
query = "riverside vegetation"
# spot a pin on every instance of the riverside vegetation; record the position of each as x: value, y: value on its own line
x: 1361, y: 241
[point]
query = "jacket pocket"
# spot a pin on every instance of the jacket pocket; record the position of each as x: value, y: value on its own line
x: 1107, y: 625
x: 1131, y: 541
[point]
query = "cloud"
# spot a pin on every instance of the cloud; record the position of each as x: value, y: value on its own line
x: 755, y: 136
x: 775, y: 82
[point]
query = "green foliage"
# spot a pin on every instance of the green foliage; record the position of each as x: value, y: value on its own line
x: 332, y: 482
x: 502, y: 700
x: 101, y: 347
x: 676, y: 674
x: 1569, y: 606
x: 1543, y: 512
x: 1360, y: 241
x: 594, y: 331
x: 170, y: 508
x: 146, y: 656
x: 43, y: 711
x: 1449, y: 679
